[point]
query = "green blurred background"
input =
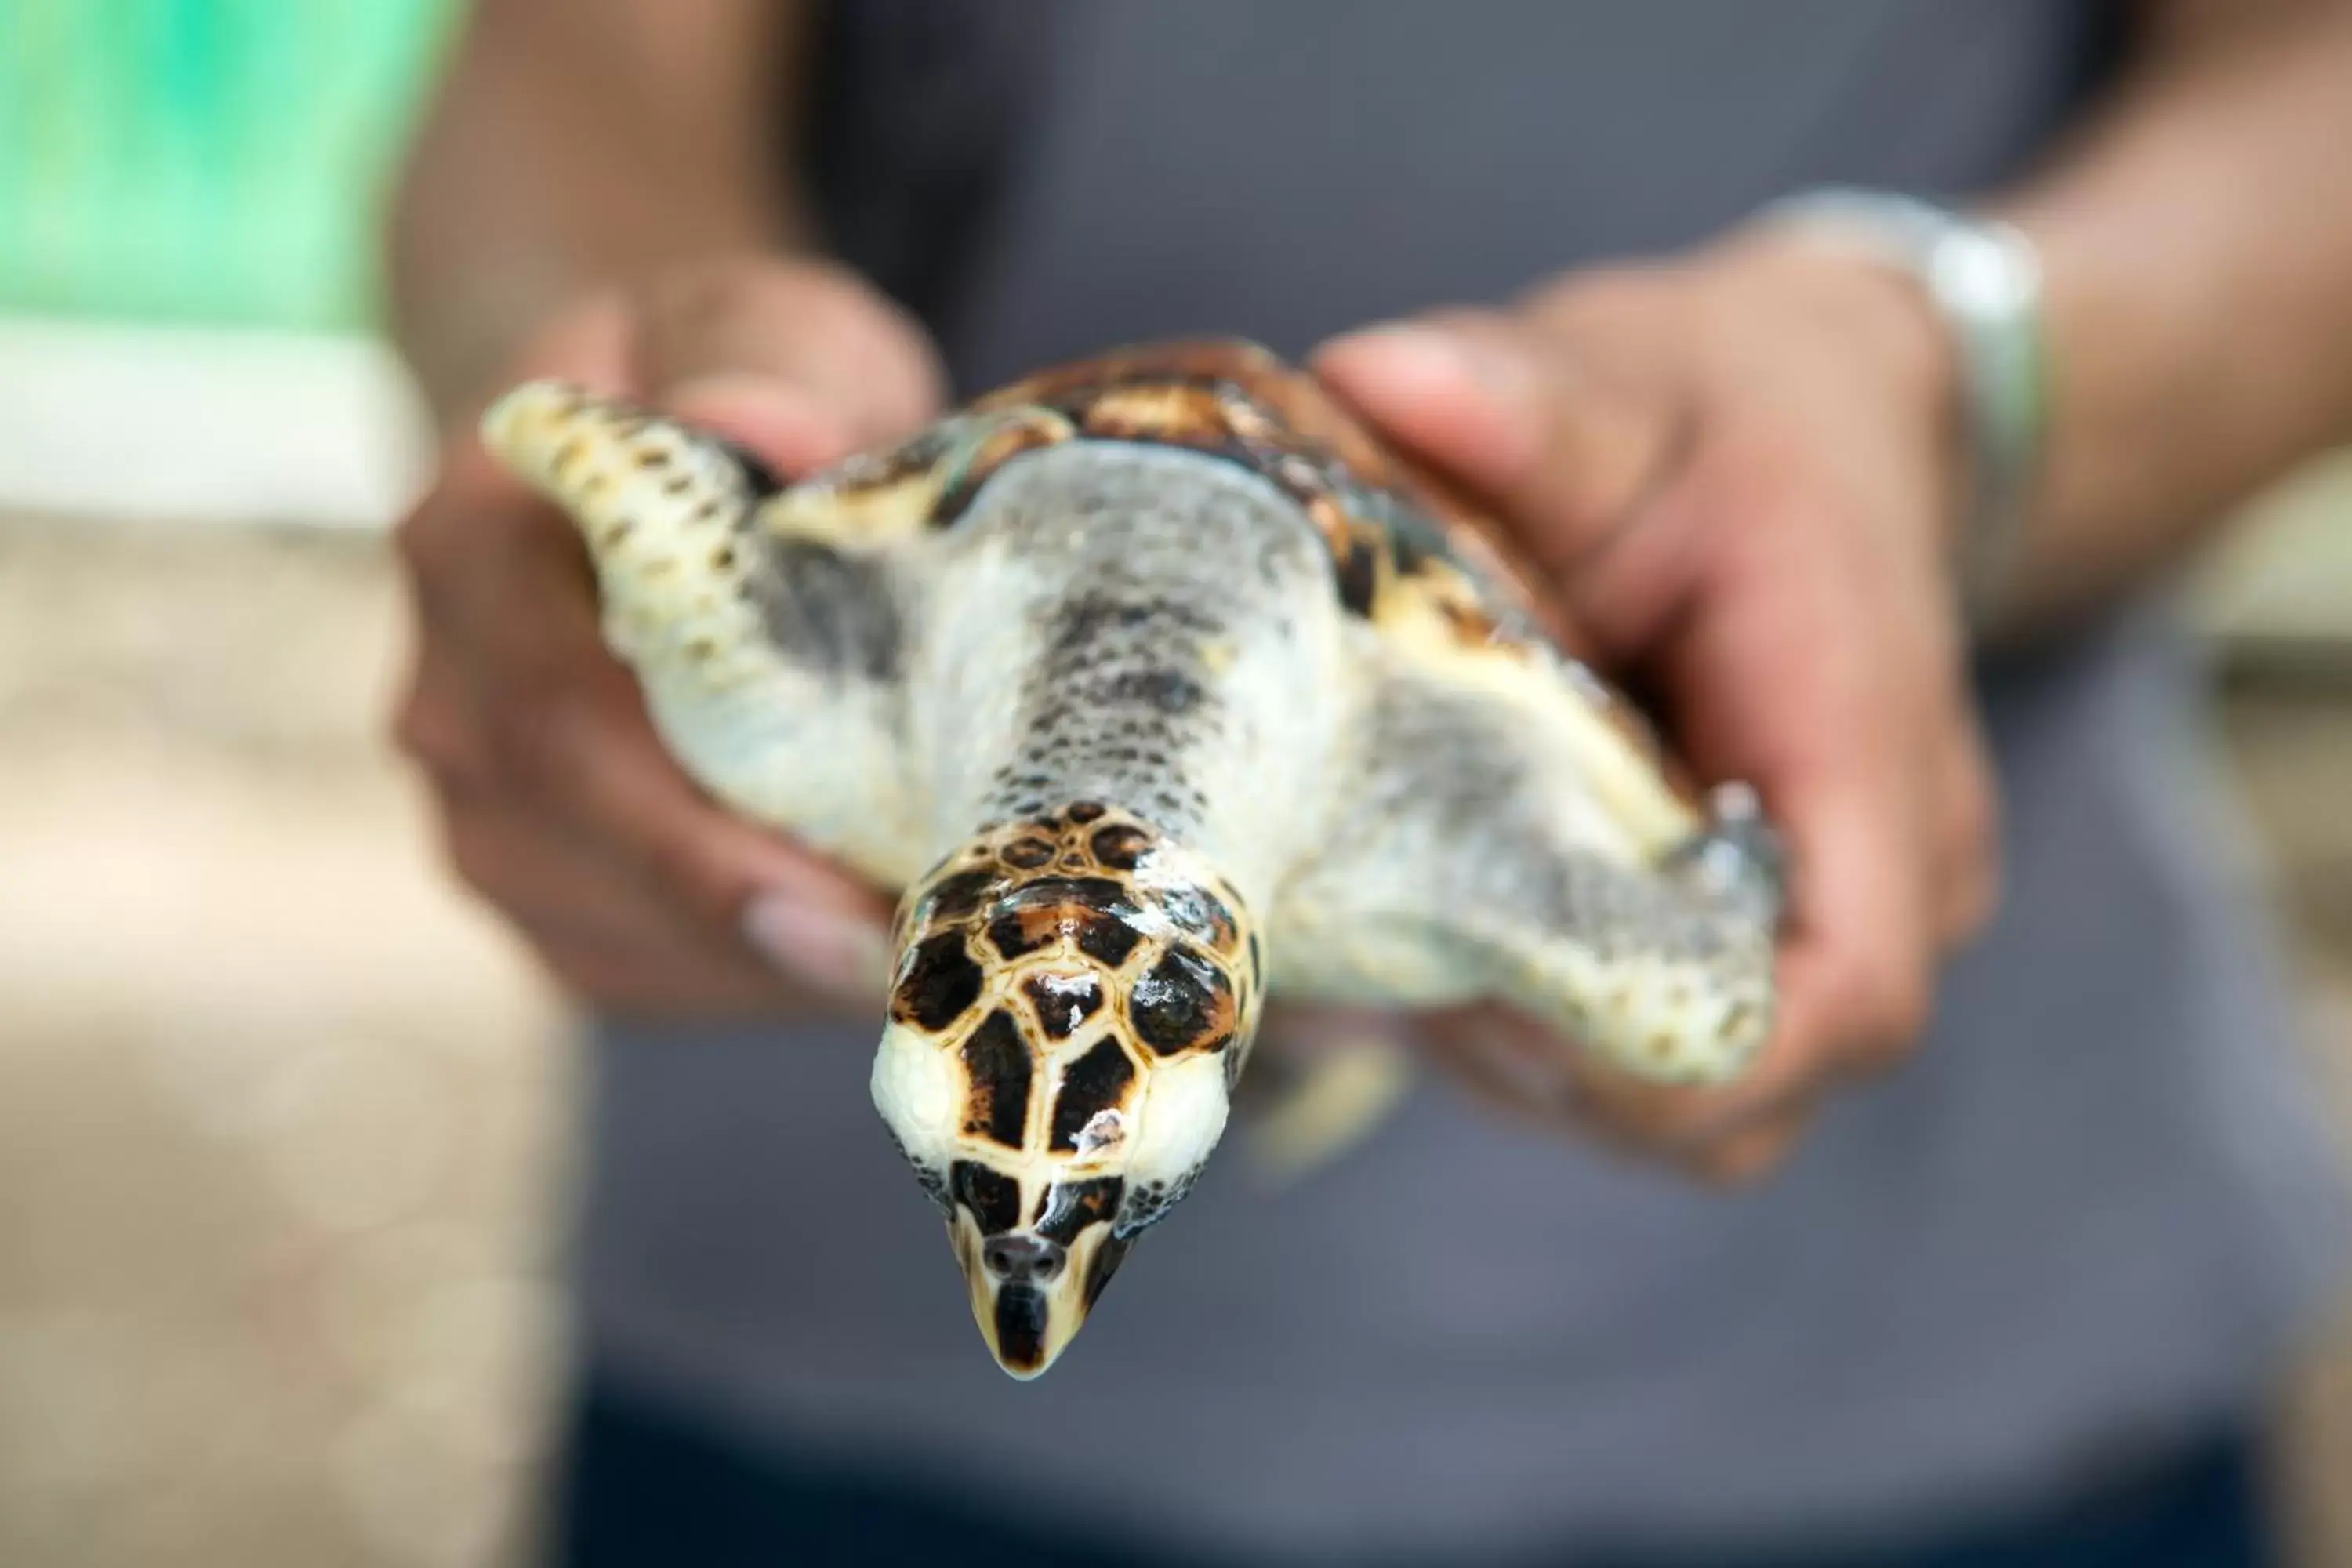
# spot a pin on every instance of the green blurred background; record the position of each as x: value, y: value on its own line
x: 213, y: 161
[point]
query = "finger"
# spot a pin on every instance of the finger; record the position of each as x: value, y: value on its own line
x: 673, y: 978
x: 567, y: 727
x: 474, y: 496
x: 587, y: 343
x: 1512, y: 1065
x: 1685, y: 1123
x: 550, y: 880
x: 513, y: 690
x: 783, y: 423
x: 433, y: 721
x: 1862, y: 936
x: 1302, y: 1030
x: 1967, y: 856
x: 818, y: 328
x: 1746, y: 1157
x: 590, y: 754
x: 1851, y: 982
x: 1565, y: 456
x: 1833, y: 734
x: 607, y: 937
x: 1502, y: 1079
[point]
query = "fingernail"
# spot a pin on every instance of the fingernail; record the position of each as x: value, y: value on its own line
x: 1468, y: 395
x: 839, y: 955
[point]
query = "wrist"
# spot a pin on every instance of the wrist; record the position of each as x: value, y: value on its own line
x: 1873, y: 314
x: 1894, y: 359
x: 1980, y: 283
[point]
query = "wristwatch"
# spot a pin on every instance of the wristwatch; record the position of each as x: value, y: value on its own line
x: 1984, y: 279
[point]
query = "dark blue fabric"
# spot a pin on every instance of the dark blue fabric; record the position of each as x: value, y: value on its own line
x: 646, y: 1485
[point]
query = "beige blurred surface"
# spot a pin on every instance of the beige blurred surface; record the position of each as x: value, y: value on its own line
x: 282, y: 1119
x: 279, y: 1116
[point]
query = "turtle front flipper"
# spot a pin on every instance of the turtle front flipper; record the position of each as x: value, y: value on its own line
x: 768, y: 658
x: 1507, y: 840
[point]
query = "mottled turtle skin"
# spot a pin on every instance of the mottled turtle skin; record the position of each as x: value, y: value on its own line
x: 1155, y: 685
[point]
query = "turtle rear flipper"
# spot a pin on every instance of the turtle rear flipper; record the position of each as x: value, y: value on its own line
x: 1310, y: 1097
x: 769, y: 659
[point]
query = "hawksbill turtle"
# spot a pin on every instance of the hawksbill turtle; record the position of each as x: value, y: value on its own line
x: 1156, y: 685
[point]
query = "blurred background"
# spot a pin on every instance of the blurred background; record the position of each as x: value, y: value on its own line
x: 283, y: 1119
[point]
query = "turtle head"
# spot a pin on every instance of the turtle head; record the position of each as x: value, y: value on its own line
x: 1039, y: 1233
x: 1057, y: 1064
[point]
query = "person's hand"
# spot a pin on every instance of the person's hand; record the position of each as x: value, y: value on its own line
x: 1734, y: 472
x: 557, y: 801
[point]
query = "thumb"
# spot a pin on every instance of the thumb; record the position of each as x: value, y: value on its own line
x: 801, y: 362
x: 1562, y: 455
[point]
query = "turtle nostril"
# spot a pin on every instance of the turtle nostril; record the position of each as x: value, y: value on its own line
x: 1023, y: 1259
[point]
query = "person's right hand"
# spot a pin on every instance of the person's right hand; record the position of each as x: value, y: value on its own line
x: 557, y: 801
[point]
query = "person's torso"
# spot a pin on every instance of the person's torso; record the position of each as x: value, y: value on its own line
x: 2075, y: 1215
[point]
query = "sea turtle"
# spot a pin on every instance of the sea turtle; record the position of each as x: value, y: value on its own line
x: 1155, y: 685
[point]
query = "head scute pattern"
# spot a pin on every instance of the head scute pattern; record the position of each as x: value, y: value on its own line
x: 1054, y: 978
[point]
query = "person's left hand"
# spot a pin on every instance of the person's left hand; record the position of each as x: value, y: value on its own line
x: 1734, y: 470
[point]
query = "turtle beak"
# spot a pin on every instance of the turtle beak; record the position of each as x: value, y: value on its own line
x: 1030, y: 1293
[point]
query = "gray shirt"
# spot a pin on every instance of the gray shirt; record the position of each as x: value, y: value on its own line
x: 2083, y: 1222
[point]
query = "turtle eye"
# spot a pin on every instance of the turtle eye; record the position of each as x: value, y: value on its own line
x: 935, y: 1187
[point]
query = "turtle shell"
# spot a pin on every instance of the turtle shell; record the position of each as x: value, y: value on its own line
x: 1407, y: 552
x: 1392, y: 536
